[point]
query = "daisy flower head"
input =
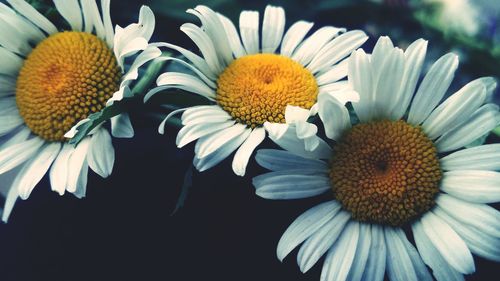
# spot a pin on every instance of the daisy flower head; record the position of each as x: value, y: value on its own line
x: 51, y: 79
x: 258, y: 80
x: 403, y: 166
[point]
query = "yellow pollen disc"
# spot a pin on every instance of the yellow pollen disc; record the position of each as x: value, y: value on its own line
x: 257, y: 88
x: 385, y: 172
x: 65, y: 78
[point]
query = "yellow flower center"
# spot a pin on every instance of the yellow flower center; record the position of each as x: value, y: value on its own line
x: 385, y: 172
x: 65, y: 78
x: 257, y: 88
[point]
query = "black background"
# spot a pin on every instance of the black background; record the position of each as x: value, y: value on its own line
x: 123, y: 229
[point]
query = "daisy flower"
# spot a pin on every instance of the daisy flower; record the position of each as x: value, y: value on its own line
x: 251, y: 79
x: 51, y: 80
x: 394, y: 171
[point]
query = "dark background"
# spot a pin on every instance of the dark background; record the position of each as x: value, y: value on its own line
x: 123, y: 229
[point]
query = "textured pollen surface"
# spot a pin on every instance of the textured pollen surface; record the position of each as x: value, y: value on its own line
x: 65, y: 78
x: 385, y: 172
x: 257, y: 88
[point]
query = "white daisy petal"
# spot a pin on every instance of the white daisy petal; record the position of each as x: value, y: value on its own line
x: 12, y: 40
x: 389, y: 78
x: 321, y: 241
x: 381, y: 51
x: 334, y: 73
x: 295, y: 114
x: 336, y: 50
x: 36, y: 169
x: 243, y: 154
x: 8, y: 86
x: 414, y: 60
x: 376, y: 263
x: 483, y: 157
x: 232, y: 36
x: 305, y: 226
x: 362, y: 253
x: 340, y: 257
x: 289, y: 141
x: 9, y: 121
x: 190, y: 133
x: 11, y: 63
x: 197, y: 61
x: 196, y: 114
x: 281, y: 160
x: 433, y: 88
x: 18, y: 137
x: 482, y: 121
x: 77, y: 162
x: 108, y: 25
x: 455, y: 110
x: 208, y: 144
x: 334, y: 115
x: 121, y: 127
x: 213, y: 26
x: 12, y: 194
x: 310, y: 47
x: 472, y: 186
x: 81, y: 184
x: 191, y: 67
x: 181, y: 81
x: 273, y: 27
x: 101, y: 155
x: 71, y: 12
x: 59, y: 170
x: 448, y: 243
x: 249, y: 30
x: 441, y: 269
x: 221, y: 153
x: 360, y: 79
x: 490, y: 83
x: 91, y: 13
x: 479, y: 243
x: 15, y: 155
x: 418, y: 263
x: 283, y: 185
x: 399, y: 264
x: 145, y: 56
x: 205, y: 44
x: 24, y: 27
x: 33, y: 15
x: 294, y: 36
x: 480, y: 216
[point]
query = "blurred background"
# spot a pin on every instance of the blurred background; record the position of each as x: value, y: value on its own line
x: 124, y: 229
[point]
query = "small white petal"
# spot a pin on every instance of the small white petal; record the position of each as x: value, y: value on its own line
x: 334, y: 115
x: 108, y: 25
x: 71, y: 12
x: 310, y: 47
x: 281, y: 160
x: 334, y: 74
x: 389, y: 79
x: 483, y: 157
x: 336, y: 50
x: 433, y: 88
x: 441, y: 269
x: 183, y: 81
x: 479, y: 243
x: 305, y: 225
x: 472, y: 186
x: 414, y: 60
x: 101, y: 155
x: 233, y: 37
x: 448, y: 243
x: 321, y: 241
x: 33, y: 15
x: 340, y: 257
x: 92, y: 18
x: 399, y: 264
x: 273, y: 27
x: 243, y: 154
x: 121, y: 127
x: 77, y: 162
x: 294, y: 36
x: 485, y: 119
x: 296, y: 114
x: 14, y: 155
x: 249, y: 30
x: 59, y: 170
x: 375, y: 265
x: 36, y: 169
x: 455, y: 110
x: 11, y: 63
x: 205, y: 44
x: 362, y: 253
x: 291, y: 184
x: 208, y: 144
x: 360, y: 79
x: 479, y: 216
